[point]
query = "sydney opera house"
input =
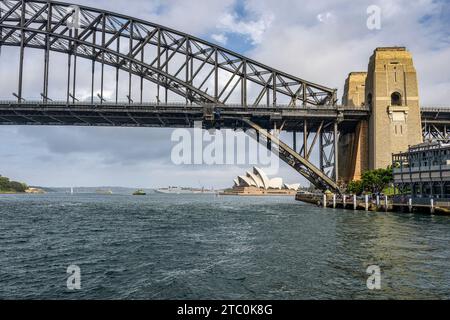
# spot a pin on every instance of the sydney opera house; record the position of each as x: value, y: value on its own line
x: 256, y: 182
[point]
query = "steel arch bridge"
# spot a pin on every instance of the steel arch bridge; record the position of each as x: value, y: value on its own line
x: 191, y: 80
x: 206, y: 77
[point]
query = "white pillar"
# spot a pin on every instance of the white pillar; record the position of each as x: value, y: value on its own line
x: 378, y: 200
x: 410, y: 206
x: 354, y: 202
x: 366, y: 200
x: 432, y: 205
x: 344, y: 198
x: 386, y: 203
x: 334, y: 201
x: 324, y: 200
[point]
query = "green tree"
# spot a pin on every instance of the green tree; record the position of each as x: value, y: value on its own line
x: 17, y: 186
x: 4, y: 183
x: 355, y: 187
x: 377, y: 180
x: 11, y: 186
x: 373, y: 181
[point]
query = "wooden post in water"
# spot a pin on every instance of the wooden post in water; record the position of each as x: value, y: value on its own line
x: 354, y: 202
x: 366, y: 200
x: 334, y: 201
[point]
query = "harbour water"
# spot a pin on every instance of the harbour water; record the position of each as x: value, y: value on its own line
x: 203, y: 247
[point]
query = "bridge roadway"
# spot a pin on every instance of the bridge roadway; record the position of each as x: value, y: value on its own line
x: 169, y: 115
x: 184, y: 115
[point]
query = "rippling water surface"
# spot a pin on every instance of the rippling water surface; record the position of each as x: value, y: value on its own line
x: 202, y: 247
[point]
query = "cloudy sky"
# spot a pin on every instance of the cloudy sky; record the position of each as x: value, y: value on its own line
x: 319, y: 40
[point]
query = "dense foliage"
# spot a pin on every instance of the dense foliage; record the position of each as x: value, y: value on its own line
x: 374, y: 181
x: 11, y: 186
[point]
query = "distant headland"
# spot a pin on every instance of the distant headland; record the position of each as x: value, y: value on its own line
x: 12, y: 187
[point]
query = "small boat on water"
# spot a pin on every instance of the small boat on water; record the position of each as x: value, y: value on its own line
x: 139, y: 193
x: 103, y: 192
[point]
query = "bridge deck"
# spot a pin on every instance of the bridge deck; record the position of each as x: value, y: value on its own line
x: 171, y: 115
x: 178, y: 115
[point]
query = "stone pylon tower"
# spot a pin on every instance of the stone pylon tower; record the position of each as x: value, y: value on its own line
x: 393, y: 96
x: 353, y: 144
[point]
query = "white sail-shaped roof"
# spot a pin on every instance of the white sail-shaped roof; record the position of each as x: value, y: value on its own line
x: 256, y: 179
x: 259, y: 179
x: 295, y: 186
x: 276, y: 183
x: 245, y: 182
x: 262, y: 175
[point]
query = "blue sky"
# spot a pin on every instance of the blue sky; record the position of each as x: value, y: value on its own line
x: 321, y: 41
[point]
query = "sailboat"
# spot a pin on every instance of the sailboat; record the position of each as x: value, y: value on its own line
x: 71, y: 190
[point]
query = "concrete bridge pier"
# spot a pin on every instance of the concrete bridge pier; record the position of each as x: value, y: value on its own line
x: 390, y: 89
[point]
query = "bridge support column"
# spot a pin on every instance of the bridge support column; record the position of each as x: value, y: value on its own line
x: 393, y: 96
x: 294, y: 138
x: 353, y: 143
x: 336, y: 152
x: 389, y: 88
x: 328, y: 148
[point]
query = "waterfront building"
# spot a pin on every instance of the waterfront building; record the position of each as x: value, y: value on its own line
x: 423, y: 171
x: 256, y: 182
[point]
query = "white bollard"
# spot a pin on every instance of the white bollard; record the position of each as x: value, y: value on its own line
x: 432, y: 205
x: 386, y: 203
x: 410, y: 206
x: 324, y: 200
x: 334, y: 201
x: 378, y: 200
x: 354, y: 202
x: 344, y: 200
x: 366, y: 200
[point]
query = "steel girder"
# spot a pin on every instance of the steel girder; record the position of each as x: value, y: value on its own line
x: 179, y: 63
x: 436, y: 124
x: 436, y: 132
x: 298, y: 162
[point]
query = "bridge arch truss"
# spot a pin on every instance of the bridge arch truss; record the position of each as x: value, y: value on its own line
x: 177, y: 63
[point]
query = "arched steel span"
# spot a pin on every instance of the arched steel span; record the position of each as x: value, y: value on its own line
x: 208, y: 77
x: 180, y: 63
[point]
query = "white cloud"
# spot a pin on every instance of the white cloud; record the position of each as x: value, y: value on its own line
x: 255, y: 30
x: 322, y: 41
x: 324, y: 17
x: 220, y: 38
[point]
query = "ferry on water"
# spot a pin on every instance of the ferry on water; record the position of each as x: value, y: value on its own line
x: 180, y: 190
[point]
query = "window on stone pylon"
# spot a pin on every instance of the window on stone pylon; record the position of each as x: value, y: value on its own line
x: 396, y: 99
